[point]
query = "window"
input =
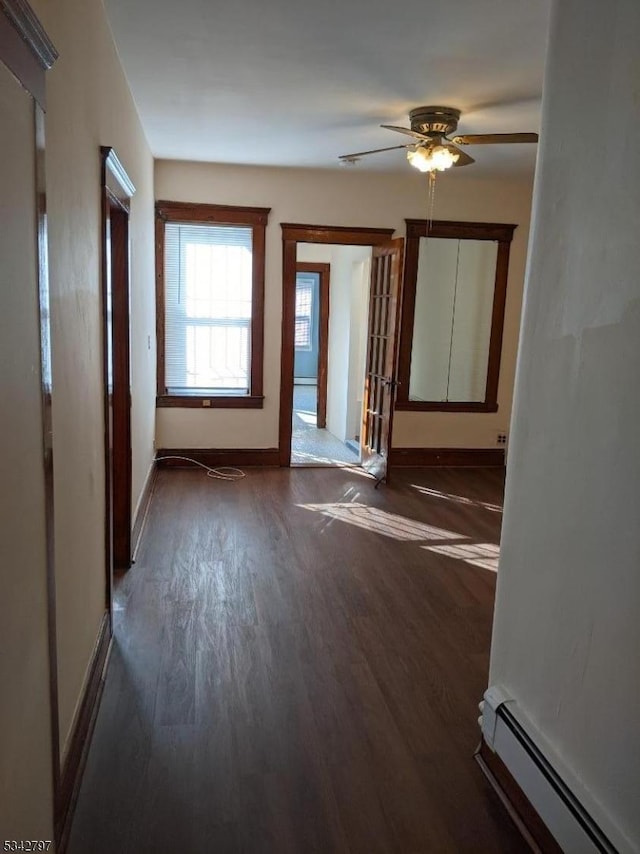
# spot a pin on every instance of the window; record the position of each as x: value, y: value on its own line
x: 210, y: 304
x: 304, y: 304
x: 455, y: 286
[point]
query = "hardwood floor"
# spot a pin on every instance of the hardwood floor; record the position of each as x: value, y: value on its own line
x: 296, y: 670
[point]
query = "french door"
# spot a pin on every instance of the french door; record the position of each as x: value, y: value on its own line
x: 382, y: 356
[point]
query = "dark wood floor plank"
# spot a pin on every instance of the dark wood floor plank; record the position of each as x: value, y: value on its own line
x: 297, y: 663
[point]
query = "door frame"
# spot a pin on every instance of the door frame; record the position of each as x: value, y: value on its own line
x: 117, y: 191
x: 324, y: 272
x: 292, y: 234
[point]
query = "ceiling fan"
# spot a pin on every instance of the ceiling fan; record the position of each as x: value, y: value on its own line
x: 436, y: 150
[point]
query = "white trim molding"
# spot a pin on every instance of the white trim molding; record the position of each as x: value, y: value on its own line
x: 562, y: 805
x: 25, y: 21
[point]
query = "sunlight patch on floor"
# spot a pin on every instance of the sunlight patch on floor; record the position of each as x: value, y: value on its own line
x: 307, y: 417
x: 458, y: 499
x: 382, y: 522
x: 485, y: 555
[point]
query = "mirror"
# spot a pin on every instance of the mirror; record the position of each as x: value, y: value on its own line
x: 452, y: 319
x: 455, y: 288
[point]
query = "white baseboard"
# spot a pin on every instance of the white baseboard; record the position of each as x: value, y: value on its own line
x: 509, y: 734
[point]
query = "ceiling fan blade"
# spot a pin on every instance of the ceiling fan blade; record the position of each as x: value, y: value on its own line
x: 464, y: 159
x: 493, y: 138
x: 357, y: 154
x: 408, y: 131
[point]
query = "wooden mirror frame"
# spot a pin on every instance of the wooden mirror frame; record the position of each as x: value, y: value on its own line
x: 502, y: 233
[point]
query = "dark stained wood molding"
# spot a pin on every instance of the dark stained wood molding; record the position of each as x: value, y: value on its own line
x: 256, y: 219
x: 288, y: 349
x: 143, y: 509
x: 223, y: 401
x: 524, y: 816
x: 116, y: 191
x: 335, y: 234
x: 445, y: 406
x: 259, y: 250
x: 292, y: 234
x: 160, y: 322
x: 80, y: 739
x: 223, y: 214
x: 502, y: 233
x: 324, y: 271
x: 217, y: 457
x: 497, y: 323
x: 25, y: 47
x: 458, y: 229
x: 472, y: 457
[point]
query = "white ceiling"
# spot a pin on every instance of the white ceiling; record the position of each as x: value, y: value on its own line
x: 296, y: 82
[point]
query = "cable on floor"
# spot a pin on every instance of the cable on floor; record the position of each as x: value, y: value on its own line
x: 221, y: 473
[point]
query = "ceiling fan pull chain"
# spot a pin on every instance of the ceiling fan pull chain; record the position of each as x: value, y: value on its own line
x: 431, y: 197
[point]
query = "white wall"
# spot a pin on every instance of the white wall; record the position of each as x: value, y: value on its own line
x: 339, y: 390
x: 432, y: 318
x: 318, y: 253
x: 89, y: 105
x: 26, y: 798
x: 346, y: 197
x: 567, y: 635
x: 360, y: 286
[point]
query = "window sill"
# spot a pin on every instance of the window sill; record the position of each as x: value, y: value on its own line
x: 442, y: 406
x: 190, y: 401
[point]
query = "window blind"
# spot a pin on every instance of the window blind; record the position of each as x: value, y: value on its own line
x: 208, y: 275
x: 304, y: 300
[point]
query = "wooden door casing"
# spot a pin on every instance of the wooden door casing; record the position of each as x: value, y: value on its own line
x: 117, y: 191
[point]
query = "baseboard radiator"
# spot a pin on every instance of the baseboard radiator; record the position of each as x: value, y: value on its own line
x: 547, y: 811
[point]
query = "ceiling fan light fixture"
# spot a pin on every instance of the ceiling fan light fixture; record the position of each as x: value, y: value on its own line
x: 432, y: 158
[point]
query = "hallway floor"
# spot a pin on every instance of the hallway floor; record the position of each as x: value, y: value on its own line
x: 297, y: 663
x: 311, y: 446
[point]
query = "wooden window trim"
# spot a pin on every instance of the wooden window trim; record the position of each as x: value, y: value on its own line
x: 256, y: 218
x: 502, y: 233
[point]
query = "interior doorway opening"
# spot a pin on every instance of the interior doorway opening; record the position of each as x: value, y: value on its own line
x: 331, y: 310
x: 375, y: 408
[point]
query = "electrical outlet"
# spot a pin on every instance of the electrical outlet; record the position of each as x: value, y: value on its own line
x: 501, y: 439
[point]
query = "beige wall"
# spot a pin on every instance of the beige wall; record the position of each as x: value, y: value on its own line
x: 89, y: 105
x: 352, y: 198
x: 567, y: 634
x: 26, y: 802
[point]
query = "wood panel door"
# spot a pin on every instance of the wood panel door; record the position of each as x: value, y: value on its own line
x: 382, y: 357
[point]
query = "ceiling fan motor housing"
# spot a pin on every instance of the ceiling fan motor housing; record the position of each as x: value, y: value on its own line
x: 434, y: 121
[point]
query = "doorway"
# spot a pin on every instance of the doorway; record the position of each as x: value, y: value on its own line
x: 298, y: 242
x: 332, y: 288
x: 117, y: 192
